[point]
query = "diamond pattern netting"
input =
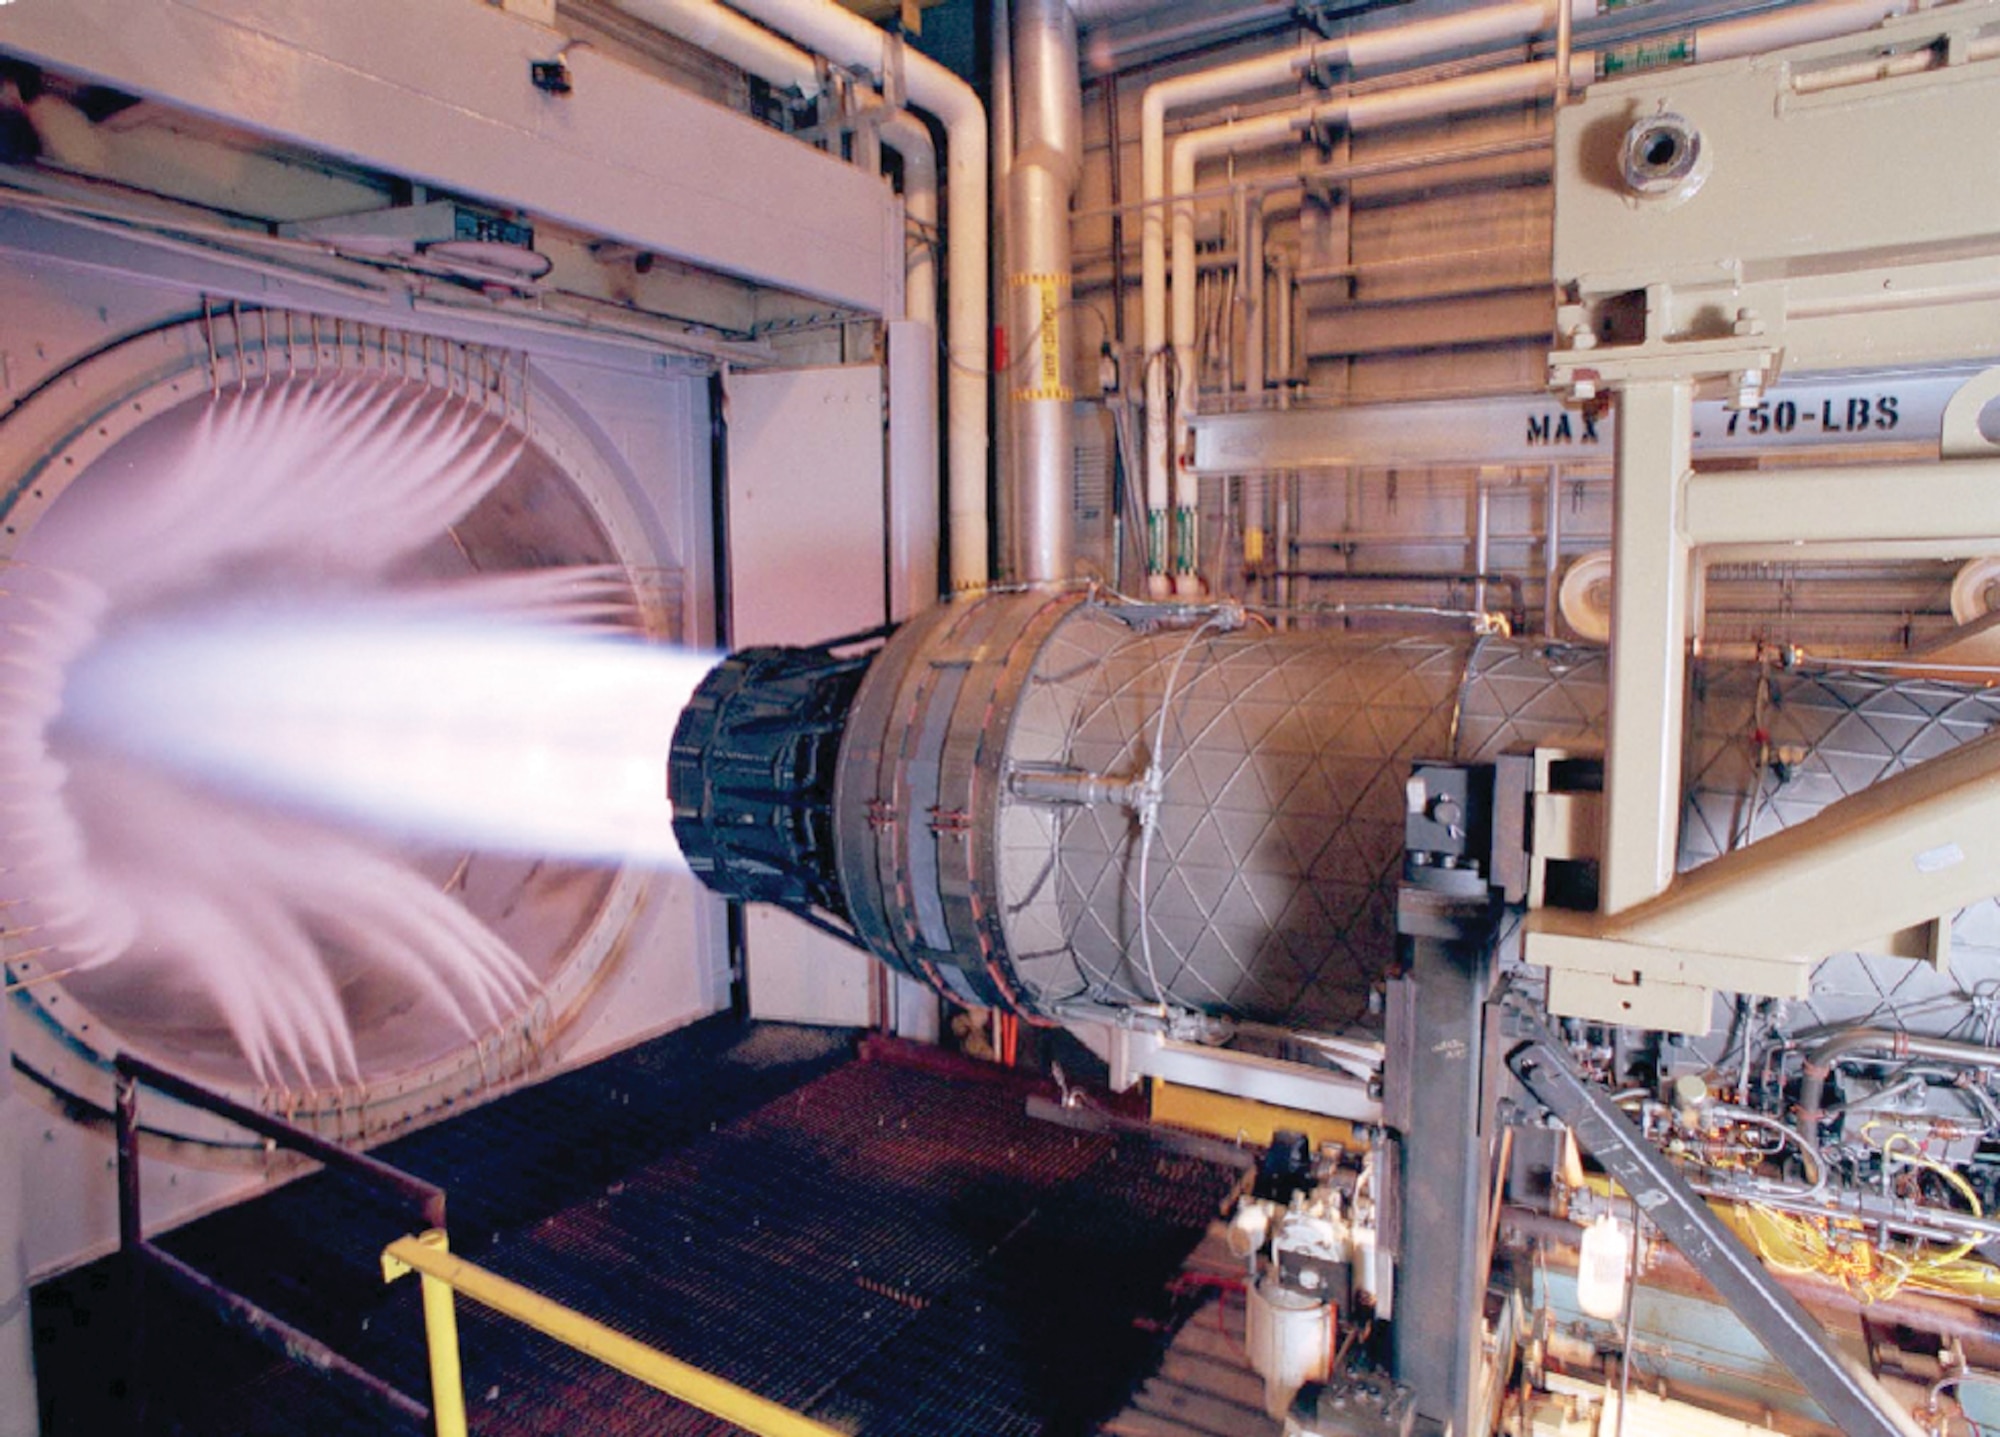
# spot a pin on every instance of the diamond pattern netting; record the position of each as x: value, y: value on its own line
x: 1270, y: 880
x: 1270, y: 884
x: 1830, y: 736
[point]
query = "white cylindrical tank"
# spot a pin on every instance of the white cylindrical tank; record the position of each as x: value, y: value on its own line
x: 1290, y: 1340
x: 1601, y: 1268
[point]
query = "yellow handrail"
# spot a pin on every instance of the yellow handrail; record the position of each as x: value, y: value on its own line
x: 444, y: 1274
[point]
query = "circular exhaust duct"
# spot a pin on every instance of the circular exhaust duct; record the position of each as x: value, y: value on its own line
x: 116, y: 932
x: 1052, y: 804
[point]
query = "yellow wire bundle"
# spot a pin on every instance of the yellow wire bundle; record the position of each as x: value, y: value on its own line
x: 1840, y: 1249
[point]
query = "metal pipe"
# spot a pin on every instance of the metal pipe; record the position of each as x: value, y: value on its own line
x: 131, y: 1239
x: 910, y: 138
x: 722, y: 32
x: 1482, y: 543
x: 1296, y: 181
x: 1820, y: 1062
x: 1320, y: 273
x: 657, y: 1370
x: 1565, y: 29
x: 1667, y: 1269
x: 142, y: 1257
x: 1250, y: 293
x: 1551, y: 550
x: 1395, y: 45
x: 729, y: 36
x: 1350, y: 540
x: 750, y: 47
x: 131, y: 1227
x: 1048, y: 157
x: 1287, y: 288
x: 864, y: 145
x: 273, y: 1332
x: 1845, y: 1390
x: 1000, y: 128
x: 1479, y: 578
x: 1109, y: 52
x: 1116, y: 146
x: 1495, y: 24
x: 1860, y: 1205
x: 1091, y: 13
x: 427, y: 1199
x: 844, y: 37
x: 441, y: 1340
x: 1355, y: 113
x: 1793, y: 26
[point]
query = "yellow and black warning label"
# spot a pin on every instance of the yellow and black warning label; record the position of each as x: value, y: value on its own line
x: 1045, y: 378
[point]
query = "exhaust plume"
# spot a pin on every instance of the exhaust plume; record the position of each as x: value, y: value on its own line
x: 236, y: 704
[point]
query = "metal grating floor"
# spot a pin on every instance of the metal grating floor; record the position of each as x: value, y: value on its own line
x: 894, y: 1250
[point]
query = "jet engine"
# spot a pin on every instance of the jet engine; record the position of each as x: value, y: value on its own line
x: 1057, y: 803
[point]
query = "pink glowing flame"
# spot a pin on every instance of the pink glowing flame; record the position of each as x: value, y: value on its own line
x: 214, y: 669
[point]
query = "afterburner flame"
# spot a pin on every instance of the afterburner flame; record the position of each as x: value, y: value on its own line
x: 235, y: 700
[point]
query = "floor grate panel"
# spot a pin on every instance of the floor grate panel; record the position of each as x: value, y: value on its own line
x: 895, y: 1250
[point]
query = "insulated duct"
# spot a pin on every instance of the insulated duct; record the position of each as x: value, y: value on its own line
x: 1047, y: 158
x: 1049, y: 803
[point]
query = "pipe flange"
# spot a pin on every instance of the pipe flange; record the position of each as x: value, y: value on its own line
x: 1663, y: 156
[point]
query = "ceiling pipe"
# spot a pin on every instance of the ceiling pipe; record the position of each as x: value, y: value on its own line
x: 726, y: 35
x: 1732, y: 39
x: 1118, y: 49
x: 847, y: 39
x: 712, y: 27
x: 912, y: 496
x: 1727, y: 40
x: 1048, y: 158
x: 1401, y: 44
x: 910, y: 138
x: 912, y: 493
x: 1357, y: 114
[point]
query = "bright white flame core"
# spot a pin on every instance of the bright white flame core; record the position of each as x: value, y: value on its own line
x: 508, y: 737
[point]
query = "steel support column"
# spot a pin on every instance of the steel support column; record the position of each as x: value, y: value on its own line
x: 1649, y: 631
x: 1436, y: 1094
